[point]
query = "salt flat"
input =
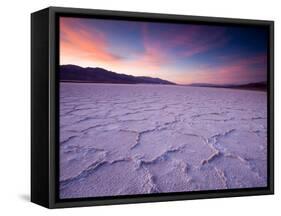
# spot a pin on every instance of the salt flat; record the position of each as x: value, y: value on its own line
x: 138, y: 139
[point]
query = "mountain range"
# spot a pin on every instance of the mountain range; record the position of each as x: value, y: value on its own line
x: 252, y: 86
x: 74, y: 73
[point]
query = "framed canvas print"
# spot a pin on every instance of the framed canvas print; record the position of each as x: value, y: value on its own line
x: 139, y: 107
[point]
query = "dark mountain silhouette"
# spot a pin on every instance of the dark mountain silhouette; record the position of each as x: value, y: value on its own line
x: 253, y: 86
x: 74, y: 73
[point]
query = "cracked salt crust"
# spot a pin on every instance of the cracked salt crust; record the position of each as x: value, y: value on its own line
x: 138, y: 139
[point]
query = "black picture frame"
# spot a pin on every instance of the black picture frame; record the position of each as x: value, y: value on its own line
x: 45, y: 104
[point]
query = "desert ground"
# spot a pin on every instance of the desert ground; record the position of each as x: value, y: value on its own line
x: 118, y: 139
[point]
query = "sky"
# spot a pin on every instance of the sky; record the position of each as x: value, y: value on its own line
x: 180, y: 53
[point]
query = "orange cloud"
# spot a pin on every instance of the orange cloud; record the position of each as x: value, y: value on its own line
x: 86, y: 48
x: 79, y: 43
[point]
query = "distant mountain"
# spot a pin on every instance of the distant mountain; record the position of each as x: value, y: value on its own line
x: 259, y: 85
x: 253, y: 86
x: 74, y: 73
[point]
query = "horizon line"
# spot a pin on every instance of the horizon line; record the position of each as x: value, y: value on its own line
x: 193, y: 83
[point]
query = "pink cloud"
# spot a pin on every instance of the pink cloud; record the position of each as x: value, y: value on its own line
x: 75, y: 41
x: 201, y: 44
x: 154, y: 55
x: 243, y: 70
x: 194, y: 39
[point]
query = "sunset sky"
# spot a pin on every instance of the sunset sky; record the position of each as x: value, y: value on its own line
x: 181, y: 53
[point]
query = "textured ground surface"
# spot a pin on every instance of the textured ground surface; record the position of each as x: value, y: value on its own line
x: 137, y: 139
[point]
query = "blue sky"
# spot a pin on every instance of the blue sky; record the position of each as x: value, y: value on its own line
x: 181, y: 53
